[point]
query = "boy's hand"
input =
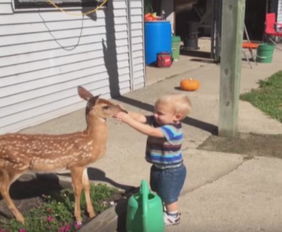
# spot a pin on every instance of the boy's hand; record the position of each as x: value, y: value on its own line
x: 122, y: 116
x: 123, y: 108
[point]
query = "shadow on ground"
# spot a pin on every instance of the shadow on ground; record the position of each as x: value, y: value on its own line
x: 247, y: 144
x: 188, y: 120
x: 27, y: 192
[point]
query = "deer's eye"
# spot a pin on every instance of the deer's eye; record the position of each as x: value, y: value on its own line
x: 105, y: 107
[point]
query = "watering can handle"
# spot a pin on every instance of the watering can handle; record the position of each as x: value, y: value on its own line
x: 145, y: 193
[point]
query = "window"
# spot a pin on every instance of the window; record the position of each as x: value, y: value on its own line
x: 29, y: 4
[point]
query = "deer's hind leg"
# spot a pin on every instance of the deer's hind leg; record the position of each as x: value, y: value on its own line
x: 6, y: 179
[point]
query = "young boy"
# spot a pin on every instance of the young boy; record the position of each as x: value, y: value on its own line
x: 163, y: 148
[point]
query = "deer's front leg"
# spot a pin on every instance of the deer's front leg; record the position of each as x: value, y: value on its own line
x: 76, y: 174
x: 86, y: 186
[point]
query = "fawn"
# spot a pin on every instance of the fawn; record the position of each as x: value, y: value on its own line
x: 20, y: 153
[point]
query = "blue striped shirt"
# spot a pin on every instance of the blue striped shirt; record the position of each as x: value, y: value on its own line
x: 165, y: 151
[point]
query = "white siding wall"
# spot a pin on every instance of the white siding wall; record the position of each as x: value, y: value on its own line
x: 279, y: 12
x: 137, y: 45
x: 5, y: 7
x: 44, y: 56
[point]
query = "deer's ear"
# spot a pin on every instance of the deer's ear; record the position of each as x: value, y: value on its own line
x: 93, y: 100
x: 83, y: 93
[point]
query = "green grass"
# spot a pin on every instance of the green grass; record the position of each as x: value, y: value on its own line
x: 56, y: 212
x: 268, y: 97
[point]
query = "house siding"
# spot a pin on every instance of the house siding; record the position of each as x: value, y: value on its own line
x: 45, y: 55
x: 279, y: 12
x: 136, y: 35
x: 5, y: 7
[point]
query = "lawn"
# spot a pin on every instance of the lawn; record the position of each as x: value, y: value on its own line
x: 268, y: 97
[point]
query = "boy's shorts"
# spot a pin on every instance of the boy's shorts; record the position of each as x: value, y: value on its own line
x: 167, y: 183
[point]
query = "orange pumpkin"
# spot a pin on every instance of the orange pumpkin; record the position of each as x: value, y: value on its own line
x: 189, y: 84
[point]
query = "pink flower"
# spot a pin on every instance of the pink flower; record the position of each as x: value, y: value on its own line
x: 77, y: 225
x: 50, y: 219
x: 65, y: 228
x: 22, y: 230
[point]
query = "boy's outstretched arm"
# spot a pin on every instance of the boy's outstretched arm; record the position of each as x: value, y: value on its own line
x: 137, y: 116
x: 139, y: 124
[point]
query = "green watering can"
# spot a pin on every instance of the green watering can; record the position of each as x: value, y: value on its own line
x: 144, y: 211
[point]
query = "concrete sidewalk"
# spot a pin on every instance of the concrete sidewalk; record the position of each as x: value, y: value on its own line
x: 223, y: 192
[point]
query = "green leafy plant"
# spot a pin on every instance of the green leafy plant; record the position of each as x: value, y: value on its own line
x: 268, y: 97
x: 56, y: 212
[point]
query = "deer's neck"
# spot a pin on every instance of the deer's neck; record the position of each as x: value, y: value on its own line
x: 97, y: 128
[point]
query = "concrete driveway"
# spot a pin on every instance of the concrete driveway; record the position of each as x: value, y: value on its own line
x: 223, y: 191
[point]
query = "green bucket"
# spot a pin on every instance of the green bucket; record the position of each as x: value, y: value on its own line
x: 175, y: 47
x: 265, y: 53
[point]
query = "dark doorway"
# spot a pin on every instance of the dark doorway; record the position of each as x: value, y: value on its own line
x: 254, y: 18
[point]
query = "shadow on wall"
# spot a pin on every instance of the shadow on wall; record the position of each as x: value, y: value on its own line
x: 109, y: 47
x: 110, y: 51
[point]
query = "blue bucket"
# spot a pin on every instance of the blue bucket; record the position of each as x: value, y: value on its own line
x: 157, y: 39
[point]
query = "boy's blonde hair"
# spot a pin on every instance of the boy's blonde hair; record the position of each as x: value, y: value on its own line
x: 179, y: 103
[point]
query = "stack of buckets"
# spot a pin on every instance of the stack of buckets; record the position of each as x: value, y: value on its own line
x: 175, y: 47
x: 144, y: 211
x: 265, y: 53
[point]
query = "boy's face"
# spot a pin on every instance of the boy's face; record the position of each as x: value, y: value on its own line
x: 164, y: 114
